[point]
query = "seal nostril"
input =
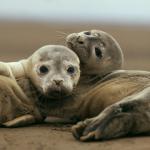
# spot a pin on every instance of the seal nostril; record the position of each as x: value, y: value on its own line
x: 79, y: 40
x: 87, y: 33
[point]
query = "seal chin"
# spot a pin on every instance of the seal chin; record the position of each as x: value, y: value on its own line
x: 57, y: 93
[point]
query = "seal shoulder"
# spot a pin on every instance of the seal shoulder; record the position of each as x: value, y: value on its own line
x: 13, y: 70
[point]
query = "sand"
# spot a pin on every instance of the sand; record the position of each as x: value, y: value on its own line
x: 46, y: 137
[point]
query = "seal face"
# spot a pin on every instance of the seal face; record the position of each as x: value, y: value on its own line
x: 54, y: 70
x: 98, y: 51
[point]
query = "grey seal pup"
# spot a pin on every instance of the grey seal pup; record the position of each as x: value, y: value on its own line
x: 51, y: 72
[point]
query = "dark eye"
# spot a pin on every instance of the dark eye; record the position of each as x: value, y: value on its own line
x: 71, y: 70
x: 43, y: 69
x: 98, y: 52
x: 80, y: 42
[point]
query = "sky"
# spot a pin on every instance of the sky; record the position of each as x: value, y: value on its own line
x: 114, y: 11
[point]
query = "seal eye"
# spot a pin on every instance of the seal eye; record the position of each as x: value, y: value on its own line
x: 71, y: 70
x: 98, y: 52
x: 43, y: 69
x: 80, y: 42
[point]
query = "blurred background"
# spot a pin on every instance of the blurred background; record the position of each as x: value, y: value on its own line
x: 26, y: 25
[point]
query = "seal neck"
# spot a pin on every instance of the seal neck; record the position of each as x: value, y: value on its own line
x: 93, y: 78
x: 16, y: 70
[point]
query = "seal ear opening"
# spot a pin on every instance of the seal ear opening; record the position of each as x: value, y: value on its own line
x: 98, y: 52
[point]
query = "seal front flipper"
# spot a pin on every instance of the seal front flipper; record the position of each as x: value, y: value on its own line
x: 112, y: 126
x: 109, y: 124
x: 127, y: 117
x: 20, y: 121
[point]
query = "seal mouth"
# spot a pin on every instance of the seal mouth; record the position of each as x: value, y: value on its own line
x: 57, y: 94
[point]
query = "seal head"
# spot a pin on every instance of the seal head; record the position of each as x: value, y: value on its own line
x: 53, y: 70
x: 98, y: 51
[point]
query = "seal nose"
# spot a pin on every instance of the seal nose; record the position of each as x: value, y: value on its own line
x: 58, y: 82
x: 87, y: 33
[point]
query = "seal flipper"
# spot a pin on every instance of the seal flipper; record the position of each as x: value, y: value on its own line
x: 20, y: 121
x: 118, y: 120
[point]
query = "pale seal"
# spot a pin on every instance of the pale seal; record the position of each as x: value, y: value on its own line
x: 51, y: 72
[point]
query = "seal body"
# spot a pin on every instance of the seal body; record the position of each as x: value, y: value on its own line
x: 16, y: 107
x: 118, y: 106
x: 118, y: 100
x: 52, y: 71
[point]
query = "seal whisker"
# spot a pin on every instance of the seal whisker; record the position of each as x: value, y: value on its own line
x: 61, y: 36
x: 61, y: 32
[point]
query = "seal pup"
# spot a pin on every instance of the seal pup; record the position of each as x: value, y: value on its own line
x: 100, y: 55
x: 28, y: 85
x: 119, y: 102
